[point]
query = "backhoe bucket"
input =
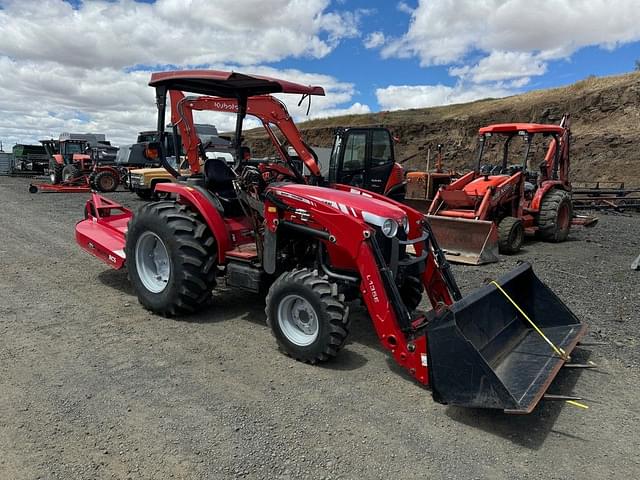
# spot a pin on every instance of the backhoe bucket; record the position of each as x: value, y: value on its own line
x: 472, y: 242
x: 483, y: 353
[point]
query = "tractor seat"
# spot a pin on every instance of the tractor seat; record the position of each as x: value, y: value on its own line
x: 219, y: 179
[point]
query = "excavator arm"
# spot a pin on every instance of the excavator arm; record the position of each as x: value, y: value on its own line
x: 268, y: 109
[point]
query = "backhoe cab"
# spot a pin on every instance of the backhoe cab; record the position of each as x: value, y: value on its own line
x: 270, y: 228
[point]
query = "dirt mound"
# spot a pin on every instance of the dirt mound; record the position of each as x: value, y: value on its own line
x: 605, y: 116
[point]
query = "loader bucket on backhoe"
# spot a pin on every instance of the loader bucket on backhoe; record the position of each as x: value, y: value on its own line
x: 483, y: 353
x: 472, y: 242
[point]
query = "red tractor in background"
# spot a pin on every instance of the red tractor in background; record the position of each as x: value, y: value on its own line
x: 492, y: 207
x: 76, y: 166
x: 269, y: 227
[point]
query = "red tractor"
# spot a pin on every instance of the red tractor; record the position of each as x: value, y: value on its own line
x: 74, y: 166
x: 492, y: 207
x: 269, y: 227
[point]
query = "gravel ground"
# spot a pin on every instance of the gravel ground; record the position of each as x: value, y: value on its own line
x: 94, y: 386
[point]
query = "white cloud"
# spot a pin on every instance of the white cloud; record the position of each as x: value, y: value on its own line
x: 374, y: 40
x: 445, y: 32
x: 42, y: 99
x: 399, y: 97
x: 500, y: 65
x: 404, y: 8
x: 123, y: 33
x: 83, y: 69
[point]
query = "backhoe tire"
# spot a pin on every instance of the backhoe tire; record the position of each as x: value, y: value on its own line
x: 307, y: 315
x: 70, y: 172
x: 171, y: 259
x: 106, y: 181
x: 554, y: 219
x: 55, y: 172
x: 510, y: 235
x: 411, y: 292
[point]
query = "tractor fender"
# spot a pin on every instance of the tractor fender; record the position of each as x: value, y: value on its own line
x: 203, y: 203
x: 58, y: 159
x: 542, y: 191
x: 108, y: 169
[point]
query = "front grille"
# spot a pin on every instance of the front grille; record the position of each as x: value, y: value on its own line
x: 396, y: 257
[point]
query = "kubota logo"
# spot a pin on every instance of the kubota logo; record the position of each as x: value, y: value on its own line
x: 372, y: 289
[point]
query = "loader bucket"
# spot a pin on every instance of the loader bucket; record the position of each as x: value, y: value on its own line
x: 484, y: 354
x: 471, y: 242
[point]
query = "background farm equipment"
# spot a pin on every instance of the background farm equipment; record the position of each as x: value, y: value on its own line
x: 492, y: 207
x: 314, y: 248
x: 422, y: 186
x: 605, y: 196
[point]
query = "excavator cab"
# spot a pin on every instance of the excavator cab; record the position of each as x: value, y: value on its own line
x: 364, y: 157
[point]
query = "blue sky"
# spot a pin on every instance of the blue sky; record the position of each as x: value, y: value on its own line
x: 72, y: 65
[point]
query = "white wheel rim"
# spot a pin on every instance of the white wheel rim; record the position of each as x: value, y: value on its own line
x: 298, y: 320
x: 52, y: 176
x: 152, y: 262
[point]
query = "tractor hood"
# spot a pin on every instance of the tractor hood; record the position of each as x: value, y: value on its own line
x: 355, y: 203
x: 480, y: 185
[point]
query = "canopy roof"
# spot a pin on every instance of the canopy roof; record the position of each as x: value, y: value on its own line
x: 517, y: 127
x: 228, y: 84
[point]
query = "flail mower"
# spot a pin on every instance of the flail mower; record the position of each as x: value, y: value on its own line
x: 491, y: 208
x: 314, y: 248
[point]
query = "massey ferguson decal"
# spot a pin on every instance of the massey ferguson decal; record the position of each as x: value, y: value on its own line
x: 372, y: 288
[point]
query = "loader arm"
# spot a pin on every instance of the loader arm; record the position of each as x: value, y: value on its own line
x: 268, y: 109
x: 398, y: 332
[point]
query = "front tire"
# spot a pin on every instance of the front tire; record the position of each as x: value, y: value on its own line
x: 144, y: 194
x: 171, y: 259
x: 70, y: 172
x: 307, y: 316
x: 55, y: 172
x: 510, y: 235
x: 411, y: 292
x: 554, y: 219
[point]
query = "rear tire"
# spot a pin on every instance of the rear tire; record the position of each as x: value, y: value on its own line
x: 106, y: 181
x: 171, y: 259
x: 510, y: 235
x: 70, y: 172
x: 307, y: 316
x: 554, y: 219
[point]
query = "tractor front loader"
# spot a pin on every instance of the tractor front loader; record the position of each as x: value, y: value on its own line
x: 491, y: 208
x: 269, y: 227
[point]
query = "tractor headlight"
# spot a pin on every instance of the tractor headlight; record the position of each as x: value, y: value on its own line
x: 389, y: 228
x: 405, y: 224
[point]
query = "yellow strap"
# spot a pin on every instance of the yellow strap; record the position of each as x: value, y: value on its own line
x: 577, y: 404
x: 561, y: 353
